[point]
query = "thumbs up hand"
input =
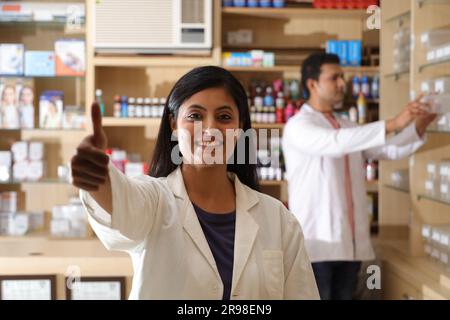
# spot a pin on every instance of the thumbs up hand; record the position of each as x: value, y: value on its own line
x: 89, y: 166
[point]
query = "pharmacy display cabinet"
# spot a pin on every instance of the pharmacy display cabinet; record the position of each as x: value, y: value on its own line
x: 414, y: 207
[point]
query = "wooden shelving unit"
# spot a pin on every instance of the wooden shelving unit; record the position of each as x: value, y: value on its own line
x: 295, y: 13
x: 411, y: 208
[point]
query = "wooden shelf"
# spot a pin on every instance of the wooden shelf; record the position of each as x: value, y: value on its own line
x: 434, y: 199
x: 361, y: 69
x: 397, y: 75
x: 265, y: 69
x: 42, y: 181
x: 372, y: 186
x: 130, y: 122
x: 421, y: 3
x: 433, y: 64
x: 397, y: 188
x: 296, y: 13
x: 152, y: 61
x: 272, y: 183
x: 268, y: 126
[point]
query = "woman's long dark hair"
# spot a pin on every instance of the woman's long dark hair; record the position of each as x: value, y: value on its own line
x: 194, y: 81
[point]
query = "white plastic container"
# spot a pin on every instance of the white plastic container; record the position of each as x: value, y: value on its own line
x: 434, y: 38
x: 442, y: 86
x: 440, y: 103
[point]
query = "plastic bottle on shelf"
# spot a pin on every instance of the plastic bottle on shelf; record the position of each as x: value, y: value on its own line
x: 252, y: 3
x: 362, y: 109
x: 99, y: 99
x: 117, y: 107
x: 227, y: 3
x: 375, y: 87
x: 294, y: 90
x: 279, y: 104
x: 289, y: 111
x: 154, y: 108
x: 353, y: 114
x: 124, y: 107
x: 268, y: 98
x: 139, y: 108
x: 147, y: 108
x: 356, y: 88
x: 365, y: 87
x: 131, y: 107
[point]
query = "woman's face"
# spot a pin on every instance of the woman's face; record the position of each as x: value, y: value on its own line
x: 9, y: 96
x: 202, y: 124
x: 26, y: 98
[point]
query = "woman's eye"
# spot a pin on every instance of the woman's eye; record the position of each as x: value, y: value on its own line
x: 225, y: 117
x: 194, y: 116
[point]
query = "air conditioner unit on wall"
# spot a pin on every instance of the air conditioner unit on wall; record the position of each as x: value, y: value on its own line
x: 153, y: 26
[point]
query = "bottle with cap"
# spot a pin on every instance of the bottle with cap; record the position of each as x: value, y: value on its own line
x: 131, y: 107
x: 362, y: 109
x: 356, y: 88
x: 99, y: 99
x: 124, y: 107
x: 289, y: 111
x: 117, y: 107
x: 147, y: 108
x: 365, y: 87
x: 268, y: 99
x: 375, y: 87
x: 139, y: 110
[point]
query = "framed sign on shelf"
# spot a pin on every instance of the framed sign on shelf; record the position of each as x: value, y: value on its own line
x: 96, y: 288
x: 28, y: 287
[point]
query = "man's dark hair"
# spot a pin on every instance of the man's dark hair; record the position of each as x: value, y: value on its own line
x: 311, y: 68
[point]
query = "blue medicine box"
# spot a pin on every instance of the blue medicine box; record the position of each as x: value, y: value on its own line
x: 343, y: 52
x: 354, y: 52
x: 40, y: 63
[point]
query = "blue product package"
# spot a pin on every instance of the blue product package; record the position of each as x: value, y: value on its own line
x: 239, y: 3
x: 252, y: 3
x: 354, y: 52
x: 278, y: 3
x: 11, y: 59
x: 227, y: 3
x: 265, y: 3
x: 343, y: 52
x: 40, y: 63
x: 333, y: 47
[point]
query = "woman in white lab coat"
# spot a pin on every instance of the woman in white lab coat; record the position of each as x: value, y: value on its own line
x: 195, y: 230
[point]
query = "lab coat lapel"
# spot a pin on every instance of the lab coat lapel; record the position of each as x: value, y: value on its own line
x: 190, y: 223
x: 246, y: 229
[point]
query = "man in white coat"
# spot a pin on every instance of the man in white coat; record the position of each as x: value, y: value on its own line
x: 325, y: 159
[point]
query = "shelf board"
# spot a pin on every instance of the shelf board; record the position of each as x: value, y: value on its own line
x: 372, y: 186
x: 152, y: 61
x: 364, y: 69
x: 421, y: 3
x: 433, y: 64
x: 397, y: 75
x: 396, y: 188
x: 399, y: 17
x: 130, y: 122
x: 264, y: 69
x: 272, y: 183
x: 434, y: 199
x: 293, y: 13
x: 256, y: 125
x: 42, y: 181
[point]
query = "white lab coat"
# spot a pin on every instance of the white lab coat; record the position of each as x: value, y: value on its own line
x: 154, y: 221
x: 314, y: 154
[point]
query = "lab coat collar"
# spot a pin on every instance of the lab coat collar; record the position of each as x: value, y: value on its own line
x: 246, y: 226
